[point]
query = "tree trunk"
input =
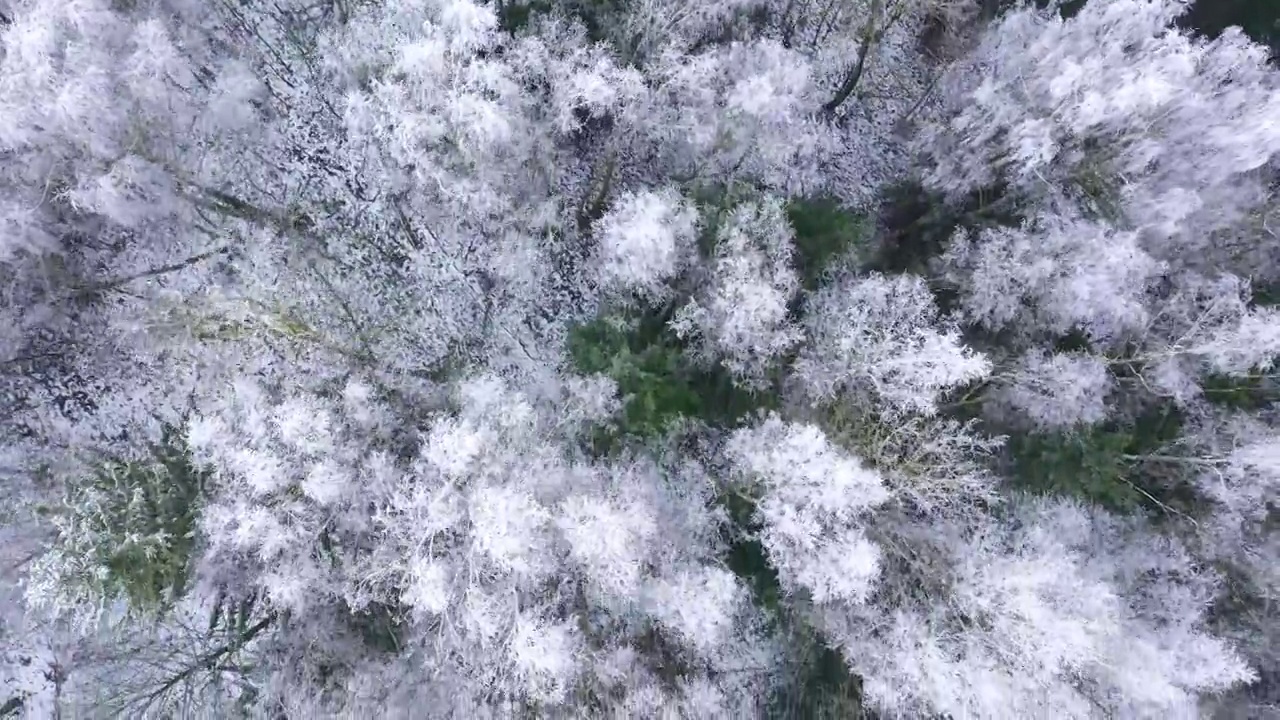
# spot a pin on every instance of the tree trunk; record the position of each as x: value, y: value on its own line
x: 870, y: 34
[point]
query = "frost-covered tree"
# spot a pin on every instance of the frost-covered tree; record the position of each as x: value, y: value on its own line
x: 1060, y: 390
x: 1054, y: 276
x: 646, y: 240
x: 744, y: 314
x: 1117, y: 107
x: 1141, y: 159
x: 810, y: 501
x: 1041, y: 616
x: 517, y: 568
x: 475, y: 358
x: 883, y: 336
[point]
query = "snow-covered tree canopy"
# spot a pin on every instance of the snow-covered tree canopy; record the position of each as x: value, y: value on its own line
x: 637, y: 358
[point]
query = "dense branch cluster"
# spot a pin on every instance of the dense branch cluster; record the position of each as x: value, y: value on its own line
x: 636, y: 358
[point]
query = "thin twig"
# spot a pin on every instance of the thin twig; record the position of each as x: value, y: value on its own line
x: 153, y: 272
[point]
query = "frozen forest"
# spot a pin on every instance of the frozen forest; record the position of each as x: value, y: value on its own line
x: 420, y: 359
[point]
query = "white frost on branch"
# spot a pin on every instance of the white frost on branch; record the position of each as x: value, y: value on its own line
x: 882, y: 335
x: 1055, y: 275
x: 646, y: 238
x: 743, y: 315
x: 811, y: 499
x: 1059, y: 391
x: 1053, y: 609
x: 1116, y: 95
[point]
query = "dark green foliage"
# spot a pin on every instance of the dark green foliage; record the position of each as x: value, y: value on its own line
x: 1102, y: 464
x: 659, y: 382
x: 595, y: 15
x: 818, y: 683
x: 1266, y: 295
x: 596, y: 203
x: 1069, y: 8
x: 147, y: 515
x: 379, y: 626
x: 747, y: 557
x: 1085, y: 463
x: 916, y: 225
x: 824, y: 231
x: 663, y: 386
x: 1260, y: 20
x: 514, y: 16
x: 1074, y: 341
x: 1250, y: 393
x: 715, y: 201
x: 1100, y: 188
x: 1066, y: 8
x: 820, y: 686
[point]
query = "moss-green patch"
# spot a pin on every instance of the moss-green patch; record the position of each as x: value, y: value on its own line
x: 131, y: 527
x: 1086, y: 463
x: 661, y: 384
x: 1248, y: 393
x: 824, y: 232
x: 1102, y: 464
x: 1266, y: 294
